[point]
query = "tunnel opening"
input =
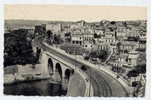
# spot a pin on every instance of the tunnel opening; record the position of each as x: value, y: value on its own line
x: 50, y: 66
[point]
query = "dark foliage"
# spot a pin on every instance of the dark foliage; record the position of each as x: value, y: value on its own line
x: 96, y: 36
x: 17, y: 49
x: 118, y: 69
x: 68, y: 37
x: 73, y: 49
x: 139, y: 69
x: 132, y: 73
x: 57, y: 39
x: 83, y: 68
x: 136, y: 39
x: 102, y: 54
x: 49, y: 34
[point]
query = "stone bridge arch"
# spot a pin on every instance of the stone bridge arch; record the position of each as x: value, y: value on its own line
x: 50, y: 66
x: 54, y: 68
x: 58, y: 70
x: 67, y: 74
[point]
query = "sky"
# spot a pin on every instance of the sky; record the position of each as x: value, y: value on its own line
x: 74, y: 12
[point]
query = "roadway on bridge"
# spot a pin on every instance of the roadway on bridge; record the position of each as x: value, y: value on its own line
x: 104, y: 85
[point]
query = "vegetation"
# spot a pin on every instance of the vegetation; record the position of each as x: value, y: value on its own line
x: 118, y: 69
x: 101, y: 54
x: 96, y: 36
x: 68, y: 37
x: 49, y: 34
x: 84, y: 68
x: 17, y: 48
x: 53, y: 38
x: 57, y: 39
x: 139, y: 69
x: 73, y: 49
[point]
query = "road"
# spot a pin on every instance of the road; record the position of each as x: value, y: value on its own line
x: 104, y: 85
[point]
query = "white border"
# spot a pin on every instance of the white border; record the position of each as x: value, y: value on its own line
x: 145, y: 3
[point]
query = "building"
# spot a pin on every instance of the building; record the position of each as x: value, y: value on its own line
x: 121, y: 32
x: 102, y: 46
x: 135, y: 58
x: 83, y: 39
x: 132, y: 32
x: 142, y: 35
x: 141, y: 45
x: 76, y: 39
x: 88, y: 45
x: 128, y: 46
x: 40, y: 29
x: 87, y: 37
x: 54, y: 27
x: 67, y: 37
x: 99, y: 32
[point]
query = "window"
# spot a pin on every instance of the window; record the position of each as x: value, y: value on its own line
x: 129, y: 60
x: 80, y: 42
x: 73, y: 42
x: 77, y: 42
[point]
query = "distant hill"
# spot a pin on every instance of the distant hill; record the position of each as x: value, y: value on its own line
x: 22, y: 23
x: 29, y: 23
x: 11, y: 24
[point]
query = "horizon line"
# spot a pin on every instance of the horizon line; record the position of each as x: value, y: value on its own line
x: 77, y: 20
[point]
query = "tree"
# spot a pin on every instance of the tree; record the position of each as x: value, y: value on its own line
x: 113, y: 22
x: 93, y: 54
x: 18, y: 49
x: 96, y: 36
x: 102, y: 54
x: 49, y: 37
x: 86, y: 57
x: 49, y: 34
x: 132, y: 73
x: 57, y: 39
x: 83, y: 68
x: 68, y: 36
x: 141, y: 69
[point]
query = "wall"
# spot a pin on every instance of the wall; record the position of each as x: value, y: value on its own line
x: 76, y: 86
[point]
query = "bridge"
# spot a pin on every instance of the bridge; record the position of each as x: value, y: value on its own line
x: 60, y: 66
